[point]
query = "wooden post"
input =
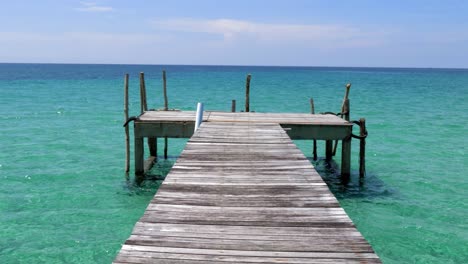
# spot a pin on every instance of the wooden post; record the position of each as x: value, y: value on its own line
x: 362, y: 148
x: 346, y: 158
x: 153, y: 146
x: 139, y: 153
x: 166, y: 108
x: 346, y: 110
x: 314, y: 147
x: 328, y: 150
x: 343, y: 110
x: 247, y: 93
x: 233, y: 106
x: 143, y: 105
x: 166, y: 105
x: 165, y: 148
x: 127, y: 130
x: 348, y: 87
x: 312, y: 106
x: 346, y: 144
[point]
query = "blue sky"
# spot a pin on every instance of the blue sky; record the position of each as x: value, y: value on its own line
x: 303, y: 33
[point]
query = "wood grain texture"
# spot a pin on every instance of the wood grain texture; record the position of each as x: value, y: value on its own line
x: 244, y: 193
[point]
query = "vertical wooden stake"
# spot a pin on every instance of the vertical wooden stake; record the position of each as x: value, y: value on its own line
x: 139, y: 153
x: 346, y: 143
x: 328, y: 150
x: 144, y: 107
x: 165, y: 148
x: 143, y: 104
x: 247, y: 93
x: 346, y: 110
x: 166, y: 108
x: 362, y: 148
x: 345, y: 98
x: 153, y: 146
x: 166, y: 104
x: 233, y: 106
x: 312, y: 106
x: 348, y: 87
x: 314, y: 147
x: 127, y: 130
x: 346, y: 158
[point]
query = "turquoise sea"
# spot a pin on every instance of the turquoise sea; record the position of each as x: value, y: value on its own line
x: 63, y: 193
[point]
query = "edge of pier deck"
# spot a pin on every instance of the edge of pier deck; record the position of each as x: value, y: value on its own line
x: 299, y: 125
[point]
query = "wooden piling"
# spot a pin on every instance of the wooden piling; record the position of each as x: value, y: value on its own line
x: 166, y: 104
x: 233, y: 106
x: 345, y: 104
x: 346, y: 143
x: 166, y: 108
x: 348, y: 87
x: 165, y: 147
x: 143, y: 103
x: 346, y: 110
x: 314, y: 147
x: 344, y: 113
x: 153, y: 146
x: 247, y: 93
x: 127, y: 130
x: 139, y: 156
x: 312, y: 106
x: 328, y: 150
x: 144, y: 107
x: 362, y: 147
x: 346, y: 159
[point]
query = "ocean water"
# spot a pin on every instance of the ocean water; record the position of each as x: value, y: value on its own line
x: 63, y: 193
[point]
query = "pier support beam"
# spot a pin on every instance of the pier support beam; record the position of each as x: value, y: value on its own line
x: 346, y: 158
x: 153, y: 146
x: 328, y: 150
x: 139, y: 160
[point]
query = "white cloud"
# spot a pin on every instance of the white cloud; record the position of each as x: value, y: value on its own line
x: 232, y: 30
x: 93, y: 7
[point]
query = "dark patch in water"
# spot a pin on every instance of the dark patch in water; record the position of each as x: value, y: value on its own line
x: 153, y: 179
x: 369, y: 187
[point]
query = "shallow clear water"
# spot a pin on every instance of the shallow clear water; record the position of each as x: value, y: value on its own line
x: 63, y: 194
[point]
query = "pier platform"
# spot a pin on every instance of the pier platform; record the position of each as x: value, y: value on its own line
x: 180, y: 124
x: 242, y: 192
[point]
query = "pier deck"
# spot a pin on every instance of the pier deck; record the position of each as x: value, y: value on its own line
x: 180, y: 124
x: 242, y: 192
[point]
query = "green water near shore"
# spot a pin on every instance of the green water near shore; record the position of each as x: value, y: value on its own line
x: 63, y: 194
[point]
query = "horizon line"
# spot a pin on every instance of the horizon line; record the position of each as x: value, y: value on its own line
x: 238, y: 65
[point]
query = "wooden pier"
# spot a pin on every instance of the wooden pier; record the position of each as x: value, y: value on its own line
x: 242, y: 192
x: 180, y: 124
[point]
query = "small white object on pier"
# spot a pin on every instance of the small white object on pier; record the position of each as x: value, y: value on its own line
x: 199, y: 116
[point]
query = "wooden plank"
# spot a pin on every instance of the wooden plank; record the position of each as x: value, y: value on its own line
x: 228, y: 231
x: 130, y: 256
x: 333, y: 244
x: 253, y: 253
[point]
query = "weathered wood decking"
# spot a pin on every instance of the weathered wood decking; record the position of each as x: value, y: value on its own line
x: 242, y: 192
x: 180, y: 124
